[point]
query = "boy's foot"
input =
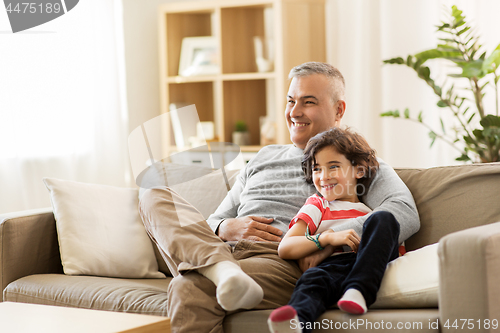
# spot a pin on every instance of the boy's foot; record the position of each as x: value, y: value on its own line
x: 280, y: 320
x: 353, y: 302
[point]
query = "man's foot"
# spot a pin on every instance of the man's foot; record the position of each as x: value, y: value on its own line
x: 353, y: 302
x: 280, y: 320
x: 235, y: 289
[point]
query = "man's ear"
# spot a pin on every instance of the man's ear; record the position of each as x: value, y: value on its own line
x: 340, y: 110
x: 360, y: 172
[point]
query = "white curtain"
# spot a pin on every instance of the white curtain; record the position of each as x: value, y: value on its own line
x: 363, y: 33
x: 62, y: 104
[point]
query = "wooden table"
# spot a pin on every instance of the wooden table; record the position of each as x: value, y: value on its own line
x: 24, y: 318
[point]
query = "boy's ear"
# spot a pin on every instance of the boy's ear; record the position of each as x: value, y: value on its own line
x: 360, y: 172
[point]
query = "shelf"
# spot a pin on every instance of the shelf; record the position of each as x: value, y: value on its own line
x: 223, y: 77
x: 248, y: 149
x: 240, y: 25
x: 248, y: 76
x: 251, y: 149
x: 198, y: 93
x: 187, y: 79
x: 239, y: 91
x: 241, y: 103
x: 181, y: 25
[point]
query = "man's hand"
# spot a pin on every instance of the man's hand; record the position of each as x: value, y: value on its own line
x: 315, y: 258
x: 254, y: 228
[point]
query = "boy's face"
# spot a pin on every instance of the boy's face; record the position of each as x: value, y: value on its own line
x: 334, y: 176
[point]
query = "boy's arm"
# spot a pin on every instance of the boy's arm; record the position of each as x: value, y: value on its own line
x: 295, y: 245
x: 388, y: 193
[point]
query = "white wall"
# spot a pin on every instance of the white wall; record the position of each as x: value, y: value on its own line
x: 140, y: 20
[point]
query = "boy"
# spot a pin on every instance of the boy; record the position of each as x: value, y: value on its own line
x: 341, y: 166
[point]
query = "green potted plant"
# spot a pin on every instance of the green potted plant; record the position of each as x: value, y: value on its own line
x: 474, y: 132
x: 241, y: 137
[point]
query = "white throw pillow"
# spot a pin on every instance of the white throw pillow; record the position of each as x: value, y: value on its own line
x: 411, y: 281
x: 100, y: 231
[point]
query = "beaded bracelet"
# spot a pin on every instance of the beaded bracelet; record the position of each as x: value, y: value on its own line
x: 312, y: 239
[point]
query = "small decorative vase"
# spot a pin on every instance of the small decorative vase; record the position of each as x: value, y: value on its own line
x: 241, y: 138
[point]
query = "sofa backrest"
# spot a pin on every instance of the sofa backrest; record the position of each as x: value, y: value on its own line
x: 452, y: 198
x: 448, y: 199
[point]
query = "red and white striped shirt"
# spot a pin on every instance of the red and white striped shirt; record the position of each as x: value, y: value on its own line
x: 321, y: 215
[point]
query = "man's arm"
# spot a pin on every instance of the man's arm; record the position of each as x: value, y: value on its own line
x: 228, y: 208
x: 388, y: 193
x: 229, y: 227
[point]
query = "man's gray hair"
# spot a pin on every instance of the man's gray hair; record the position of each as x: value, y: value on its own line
x: 310, y: 68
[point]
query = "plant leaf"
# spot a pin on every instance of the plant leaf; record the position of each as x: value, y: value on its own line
x: 468, y: 140
x: 478, y: 134
x: 448, y: 40
x: 436, y: 53
x: 407, y: 113
x: 442, y: 104
x: 409, y: 60
x: 425, y: 73
x: 464, y: 30
x: 398, y: 61
x: 394, y: 114
x: 473, y: 69
x: 433, y: 136
x: 463, y: 158
x: 492, y: 62
x: 490, y: 121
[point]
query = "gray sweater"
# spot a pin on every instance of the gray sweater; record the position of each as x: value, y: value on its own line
x: 273, y: 185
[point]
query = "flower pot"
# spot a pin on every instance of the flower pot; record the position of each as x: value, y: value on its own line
x: 241, y: 138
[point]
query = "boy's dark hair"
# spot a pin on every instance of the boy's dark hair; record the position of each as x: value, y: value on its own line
x: 350, y: 144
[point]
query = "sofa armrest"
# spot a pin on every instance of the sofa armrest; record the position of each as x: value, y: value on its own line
x: 28, y: 245
x: 469, y: 267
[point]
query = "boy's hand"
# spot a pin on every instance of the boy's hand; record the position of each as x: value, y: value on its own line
x: 341, y: 238
x: 254, y: 228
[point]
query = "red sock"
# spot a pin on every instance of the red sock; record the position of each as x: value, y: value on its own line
x: 284, y: 320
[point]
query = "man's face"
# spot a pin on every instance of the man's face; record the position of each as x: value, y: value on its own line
x: 310, y: 108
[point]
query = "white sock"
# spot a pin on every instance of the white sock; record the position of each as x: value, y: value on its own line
x: 235, y: 289
x: 280, y: 320
x: 352, y: 302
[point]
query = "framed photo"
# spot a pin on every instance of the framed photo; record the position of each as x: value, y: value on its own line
x: 199, y: 56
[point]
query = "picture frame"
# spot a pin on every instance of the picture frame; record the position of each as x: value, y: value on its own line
x: 199, y: 56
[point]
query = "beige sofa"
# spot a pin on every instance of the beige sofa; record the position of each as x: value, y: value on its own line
x: 459, y: 207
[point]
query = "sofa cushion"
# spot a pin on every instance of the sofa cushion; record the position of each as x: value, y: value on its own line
x: 146, y: 296
x: 334, y: 321
x: 411, y: 281
x: 100, y: 231
x: 448, y: 199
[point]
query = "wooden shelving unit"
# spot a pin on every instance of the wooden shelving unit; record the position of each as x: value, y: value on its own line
x: 239, y: 91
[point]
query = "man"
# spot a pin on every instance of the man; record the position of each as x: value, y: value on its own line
x: 213, y: 276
